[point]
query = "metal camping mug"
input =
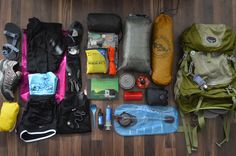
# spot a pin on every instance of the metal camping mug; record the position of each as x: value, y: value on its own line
x: 133, y: 95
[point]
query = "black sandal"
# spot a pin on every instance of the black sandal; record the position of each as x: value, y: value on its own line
x: 11, y: 49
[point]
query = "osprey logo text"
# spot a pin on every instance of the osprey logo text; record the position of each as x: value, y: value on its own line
x: 211, y: 39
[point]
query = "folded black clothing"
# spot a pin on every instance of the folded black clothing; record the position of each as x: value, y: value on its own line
x: 45, y: 46
x: 104, y: 22
x: 74, y: 114
x: 73, y: 76
x: 156, y: 96
x: 38, y: 121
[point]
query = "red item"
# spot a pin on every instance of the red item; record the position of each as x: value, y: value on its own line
x: 133, y: 95
x: 111, y: 58
x: 142, y: 82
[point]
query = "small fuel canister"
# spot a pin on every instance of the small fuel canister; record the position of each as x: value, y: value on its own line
x: 133, y: 96
x: 100, y: 120
x: 200, y: 81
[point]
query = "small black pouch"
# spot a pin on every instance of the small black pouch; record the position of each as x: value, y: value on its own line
x: 156, y: 96
x: 104, y: 22
x: 74, y: 114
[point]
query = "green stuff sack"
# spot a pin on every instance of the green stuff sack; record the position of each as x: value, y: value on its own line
x: 162, y: 50
x: 97, y: 60
x: 206, y: 79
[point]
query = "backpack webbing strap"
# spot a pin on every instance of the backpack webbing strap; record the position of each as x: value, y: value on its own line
x: 201, y: 120
x: 227, y: 123
x: 201, y: 124
x: 195, y: 139
x: 190, y: 134
x: 186, y: 133
x: 208, y: 57
x: 226, y: 131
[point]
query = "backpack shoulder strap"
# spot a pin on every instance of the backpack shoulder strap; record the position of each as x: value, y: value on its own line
x: 190, y: 134
x: 227, y: 122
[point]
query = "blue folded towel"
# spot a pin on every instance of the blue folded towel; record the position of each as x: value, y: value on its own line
x: 42, y: 84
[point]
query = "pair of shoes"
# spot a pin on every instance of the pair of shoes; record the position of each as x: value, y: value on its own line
x: 9, y: 78
x: 11, y: 49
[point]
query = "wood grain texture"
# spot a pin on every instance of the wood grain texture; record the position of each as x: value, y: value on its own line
x: 103, y: 143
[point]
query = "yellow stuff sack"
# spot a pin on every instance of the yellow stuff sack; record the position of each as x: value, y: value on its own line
x: 8, y: 116
x: 97, y: 60
x: 162, y: 50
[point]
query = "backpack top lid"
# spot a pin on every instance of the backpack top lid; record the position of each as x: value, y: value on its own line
x: 209, y: 38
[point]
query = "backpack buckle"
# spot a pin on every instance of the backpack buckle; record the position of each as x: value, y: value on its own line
x: 231, y: 58
x: 230, y: 90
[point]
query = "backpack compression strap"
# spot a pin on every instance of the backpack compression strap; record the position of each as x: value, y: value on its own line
x: 190, y: 134
x: 227, y: 119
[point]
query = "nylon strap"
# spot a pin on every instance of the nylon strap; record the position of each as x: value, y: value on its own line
x: 180, y: 129
x: 185, y: 64
x: 226, y: 131
x: 12, y: 35
x: 195, y: 139
x: 227, y: 122
x: 199, y: 104
x: 201, y: 120
x: 191, y: 138
x: 10, y: 46
x: 190, y: 69
x: 186, y: 134
x: 208, y: 57
x: 188, y: 129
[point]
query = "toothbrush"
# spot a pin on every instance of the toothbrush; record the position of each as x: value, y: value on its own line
x: 93, y: 108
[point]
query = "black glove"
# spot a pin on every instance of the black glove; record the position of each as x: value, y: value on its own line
x: 74, y: 77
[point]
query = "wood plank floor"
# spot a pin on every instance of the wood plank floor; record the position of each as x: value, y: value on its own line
x: 104, y: 143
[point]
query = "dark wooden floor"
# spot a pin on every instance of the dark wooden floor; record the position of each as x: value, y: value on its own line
x: 109, y: 143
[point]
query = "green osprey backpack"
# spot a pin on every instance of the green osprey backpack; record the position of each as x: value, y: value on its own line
x: 206, y: 79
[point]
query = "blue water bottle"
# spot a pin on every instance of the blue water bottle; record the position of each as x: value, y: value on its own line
x: 108, y: 118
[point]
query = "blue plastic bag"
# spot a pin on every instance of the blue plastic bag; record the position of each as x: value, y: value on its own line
x: 149, y: 120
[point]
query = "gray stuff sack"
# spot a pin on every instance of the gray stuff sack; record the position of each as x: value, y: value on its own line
x: 136, y: 45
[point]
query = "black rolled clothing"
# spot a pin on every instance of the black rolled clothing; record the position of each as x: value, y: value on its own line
x: 45, y: 46
x: 38, y: 121
x: 74, y: 115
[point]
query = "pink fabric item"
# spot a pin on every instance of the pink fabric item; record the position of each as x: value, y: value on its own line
x: 24, y: 85
x: 61, y: 83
